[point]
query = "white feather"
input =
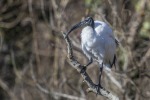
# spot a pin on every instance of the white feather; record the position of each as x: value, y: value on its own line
x: 99, y: 43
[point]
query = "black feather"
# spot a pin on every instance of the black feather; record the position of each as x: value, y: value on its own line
x: 117, y: 42
x: 113, y: 63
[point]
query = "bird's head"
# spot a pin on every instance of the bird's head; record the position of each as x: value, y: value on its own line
x: 86, y: 22
x: 89, y: 22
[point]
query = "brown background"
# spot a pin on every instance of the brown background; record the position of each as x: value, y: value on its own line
x: 33, y: 55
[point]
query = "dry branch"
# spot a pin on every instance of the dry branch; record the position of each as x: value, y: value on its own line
x: 92, y: 87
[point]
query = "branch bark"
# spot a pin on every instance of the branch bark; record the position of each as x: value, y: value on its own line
x: 75, y: 64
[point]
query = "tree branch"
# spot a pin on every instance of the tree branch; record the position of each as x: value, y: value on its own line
x: 75, y: 64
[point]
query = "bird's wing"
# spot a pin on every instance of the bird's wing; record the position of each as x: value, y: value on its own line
x: 102, y: 28
x: 110, y: 51
x: 107, y: 43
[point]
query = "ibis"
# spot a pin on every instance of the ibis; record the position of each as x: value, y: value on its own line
x: 98, y: 43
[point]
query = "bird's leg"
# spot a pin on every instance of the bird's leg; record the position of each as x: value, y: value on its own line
x: 99, y: 81
x: 90, y: 62
x: 84, y: 67
x: 114, y: 61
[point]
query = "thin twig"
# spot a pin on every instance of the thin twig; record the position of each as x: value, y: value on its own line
x: 113, y: 80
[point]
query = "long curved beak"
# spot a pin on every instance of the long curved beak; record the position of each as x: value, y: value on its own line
x: 75, y: 27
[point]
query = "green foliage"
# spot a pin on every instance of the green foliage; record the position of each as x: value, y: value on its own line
x: 145, y: 31
x: 93, y: 4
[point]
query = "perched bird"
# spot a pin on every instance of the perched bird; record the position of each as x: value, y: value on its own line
x: 98, y: 42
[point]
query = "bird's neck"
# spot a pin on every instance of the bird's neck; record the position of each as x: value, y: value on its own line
x: 88, y: 33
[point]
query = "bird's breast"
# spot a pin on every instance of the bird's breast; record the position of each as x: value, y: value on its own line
x: 88, y: 36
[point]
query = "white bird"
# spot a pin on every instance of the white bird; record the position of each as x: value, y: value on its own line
x: 98, y: 42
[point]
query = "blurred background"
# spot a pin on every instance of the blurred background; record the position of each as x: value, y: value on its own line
x: 33, y: 53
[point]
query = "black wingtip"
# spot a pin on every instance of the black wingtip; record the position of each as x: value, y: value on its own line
x: 114, y: 62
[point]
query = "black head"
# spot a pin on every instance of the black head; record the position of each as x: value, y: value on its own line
x: 87, y: 22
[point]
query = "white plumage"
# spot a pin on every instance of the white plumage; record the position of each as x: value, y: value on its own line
x: 99, y: 43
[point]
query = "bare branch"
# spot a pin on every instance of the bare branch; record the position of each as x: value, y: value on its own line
x: 92, y: 87
x: 46, y: 90
x: 4, y: 86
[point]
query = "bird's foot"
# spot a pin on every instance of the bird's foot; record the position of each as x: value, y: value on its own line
x: 98, y: 86
x: 83, y: 69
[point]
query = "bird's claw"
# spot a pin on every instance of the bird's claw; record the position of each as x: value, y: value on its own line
x: 98, y: 86
x: 83, y: 69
